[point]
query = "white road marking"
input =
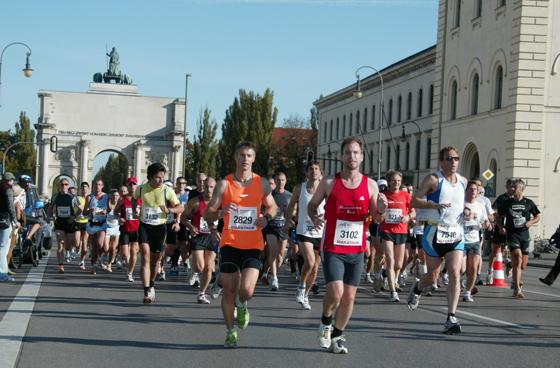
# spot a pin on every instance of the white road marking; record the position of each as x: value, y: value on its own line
x: 15, y: 321
x: 539, y: 293
x: 499, y: 321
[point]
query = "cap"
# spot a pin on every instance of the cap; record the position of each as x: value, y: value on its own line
x: 8, y: 176
x: 169, y: 183
x: 132, y: 179
x: 24, y: 179
x: 382, y: 182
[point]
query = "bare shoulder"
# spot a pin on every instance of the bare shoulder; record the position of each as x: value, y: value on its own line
x: 265, y: 184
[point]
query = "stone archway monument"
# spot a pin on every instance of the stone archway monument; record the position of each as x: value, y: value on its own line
x: 111, y: 115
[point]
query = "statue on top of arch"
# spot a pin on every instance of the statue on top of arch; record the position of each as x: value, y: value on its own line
x: 113, y: 73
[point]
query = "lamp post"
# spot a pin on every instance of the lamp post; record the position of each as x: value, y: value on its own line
x: 358, y: 94
x: 403, y: 138
x: 185, y: 125
x: 27, y: 71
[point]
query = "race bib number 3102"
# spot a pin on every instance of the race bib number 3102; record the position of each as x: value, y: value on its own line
x: 244, y: 219
x: 349, y: 233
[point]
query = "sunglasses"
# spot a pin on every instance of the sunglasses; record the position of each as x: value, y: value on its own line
x: 452, y: 158
x: 64, y: 184
x: 182, y: 182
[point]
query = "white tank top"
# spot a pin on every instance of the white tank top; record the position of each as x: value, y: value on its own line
x: 448, y: 193
x: 305, y: 226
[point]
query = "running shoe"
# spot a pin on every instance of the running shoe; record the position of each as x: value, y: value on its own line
x: 479, y: 282
x: 337, y: 345
x: 368, y: 278
x: 109, y: 269
x: 324, y: 338
x: 191, y: 278
x: 305, y: 305
x: 474, y: 290
x: 490, y: 277
x: 7, y: 278
x: 398, y: 288
x: 518, y: 294
x: 196, y: 283
x: 119, y: 265
x: 231, y: 339
x: 215, y: 291
x: 402, y: 279
x: 151, y: 295
x: 129, y: 277
x: 394, y: 297
x: 203, y: 299
x: 61, y: 269
x: 264, y: 280
x: 545, y: 280
x: 160, y: 276
x: 82, y: 266
x: 467, y: 297
x: 413, y: 300
x: 445, y: 279
x: 243, y: 316
x: 300, y: 295
x: 315, y: 289
x: 452, y: 326
x: 174, y: 271
x: 274, y: 284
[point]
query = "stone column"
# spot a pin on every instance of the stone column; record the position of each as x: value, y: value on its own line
x: 44, y: 168
x: 84, y: 160
x: 177, y: 164
x: 138, y: 160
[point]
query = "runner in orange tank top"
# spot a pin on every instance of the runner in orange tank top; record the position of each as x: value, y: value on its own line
x: 241, y: 197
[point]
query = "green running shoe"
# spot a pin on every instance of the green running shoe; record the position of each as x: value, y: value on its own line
x: 231, y: 339
x: 242, y: 317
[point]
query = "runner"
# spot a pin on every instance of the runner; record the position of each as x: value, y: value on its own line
x: 113, y: 233
x: 443, y: 235
x: 499, y: 239
x: 157, y: 201
x: 264, y: 255
x: 475, y: 219
x: 276, y: 237
x: 308, y: 236
x: 182, y: 236
x: 394, y: 230
x: 205, y: 237
x: 520, y: 215
x: 172, y: 229
x: 129, y: 211
x: 81, y: 236
x: 241, y: 196
x: 350, y: 197
x: 379, y: 278
x: 96, y: 208
x: 64, y: 227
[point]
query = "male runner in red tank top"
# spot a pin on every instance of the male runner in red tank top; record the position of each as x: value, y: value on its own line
x: 350, y: 197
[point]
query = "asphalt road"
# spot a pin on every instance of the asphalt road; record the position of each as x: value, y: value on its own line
x: 77, y: 320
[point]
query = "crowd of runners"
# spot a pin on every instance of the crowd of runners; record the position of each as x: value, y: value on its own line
x: 228, y: 234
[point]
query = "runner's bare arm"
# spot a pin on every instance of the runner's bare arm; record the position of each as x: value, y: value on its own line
x: 377, y: 201
x: 213, y: 211
x: 323, y: 190
x: 191, y: 207
x: 291, y: 210
x: 268, y: 202
x: 533, y: 221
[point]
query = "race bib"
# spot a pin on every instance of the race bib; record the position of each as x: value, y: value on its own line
x: 151, y: 216
x: 277, y: 223
x: 448, y: 234
x: 519, y: 222
x: 310, y: 230
x: 129, y: 214
x: 244, y: 219
x: 63, y: 212
x: 349, y: 233
x: 472, y: 234
x: 393, y: 215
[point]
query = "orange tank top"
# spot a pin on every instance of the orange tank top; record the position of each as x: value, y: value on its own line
x: 240, y: 228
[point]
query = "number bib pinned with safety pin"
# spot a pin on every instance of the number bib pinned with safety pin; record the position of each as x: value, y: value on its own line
x: 244, y: 219
x: 349, y: 233
x: 151, y: 215
x: 393, y: 216
x: 448, y: 234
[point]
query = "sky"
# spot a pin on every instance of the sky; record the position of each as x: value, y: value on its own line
x: 300, y: 49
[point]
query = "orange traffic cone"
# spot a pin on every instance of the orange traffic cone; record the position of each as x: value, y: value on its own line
x: 498, y: 266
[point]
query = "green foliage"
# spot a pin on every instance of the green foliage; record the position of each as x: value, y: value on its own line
x: 190, y: 169
x: 21, y: 158
x: 114, y: 173
x: 251, y: 117
x: 205, y: 146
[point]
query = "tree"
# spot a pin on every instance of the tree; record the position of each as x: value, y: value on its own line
x: 190, y: 170
x: 205, y: 146
x: 251, y: 117
x: 114, y: 173
x: 21, y: 158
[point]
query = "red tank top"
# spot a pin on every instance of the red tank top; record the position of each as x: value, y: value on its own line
x: 130, y: 224
x: 398, y: 206
x: 346, y: 211
x: 198, y: 217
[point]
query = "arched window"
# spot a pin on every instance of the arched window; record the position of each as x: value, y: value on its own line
x: 498, y: 87
x: 337, y: 127
x: 373, y: 117
x: 358, y: 122
x: 474, y: 95
x: 390, y: 112
x: 399, y: 109
x: 365, y: 120
x: 409, y: 106
x: 453, y: 101
x: 420, y: 101
x: 431, y: 102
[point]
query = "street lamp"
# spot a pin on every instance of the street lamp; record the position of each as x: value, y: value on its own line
x: 185, y: 125
x: 403, y: 138
x: 358, y: 94
x: 27, y: 71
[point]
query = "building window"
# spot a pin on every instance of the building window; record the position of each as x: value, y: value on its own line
x: 337, y: 127
x: 399, y: 109
x: 420, y: 101
x: 478, y: 10
x: 325, y: 131
x: 388, y: 167
x: 490, y: 190
x: 418, y: 147
x: 358, y: 122
x: 370, y: 161
x: 343, y: 126
x: 431, y: 104
x: 457, y: 13
x: 474, y: 95
x: 453, y: 101
x: 398, y: 157
x: 390, y: 118
x: 407, y: 157
x: 350, y: 126
x: 428, y: 153
x: 373, y: 117
x: 365, y: 120
x: 409, y: 106
x: 498, y: 87
x: 331, y: 130
x: 501, y: 3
